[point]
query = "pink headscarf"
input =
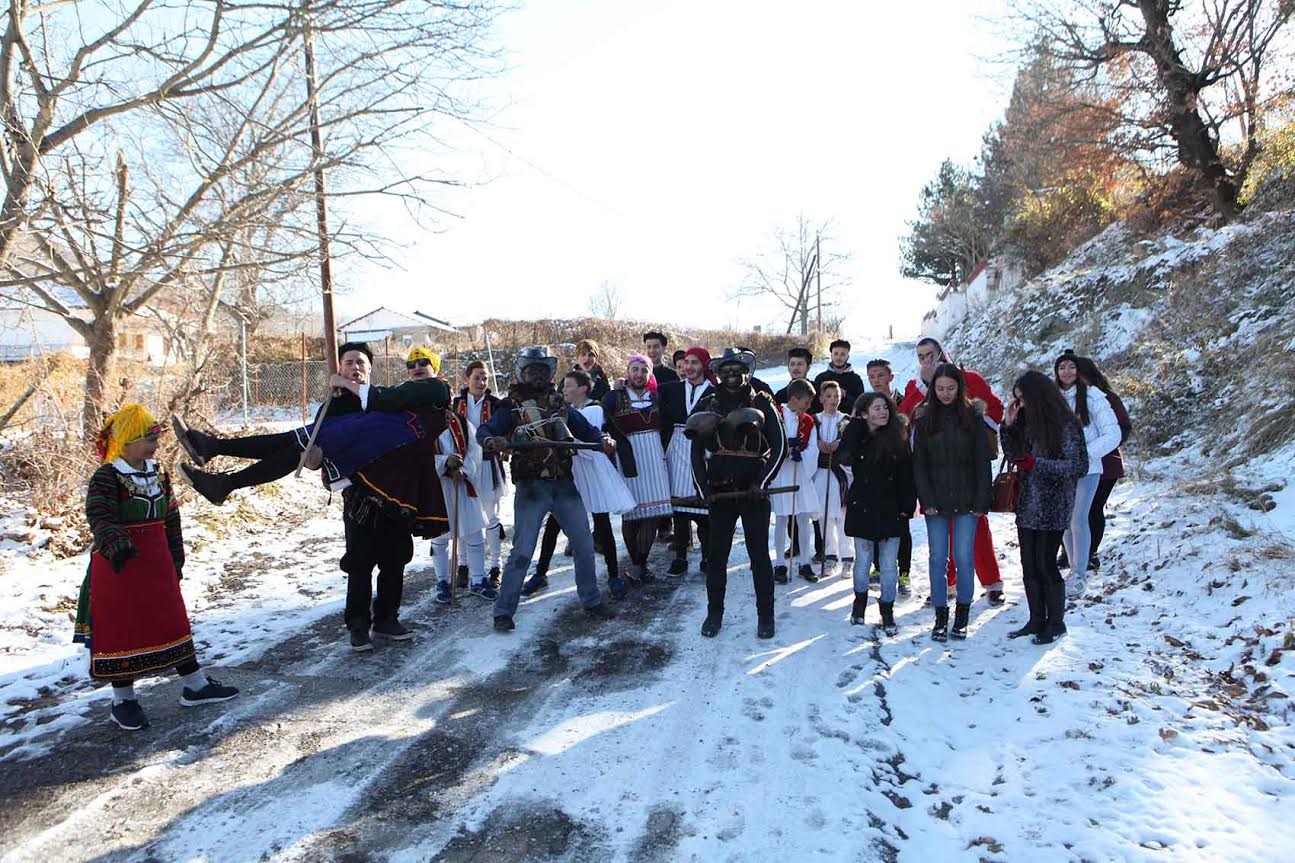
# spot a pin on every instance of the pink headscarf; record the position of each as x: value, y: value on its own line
x: 651, y: 381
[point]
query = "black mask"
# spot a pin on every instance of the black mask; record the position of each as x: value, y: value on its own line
x: 733, y: 376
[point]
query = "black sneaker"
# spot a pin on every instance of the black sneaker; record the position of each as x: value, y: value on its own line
x: 995, y: 597
x: 495, y: 577
x: 212, y: 692
x: 807, y: 572
x: 535, y: 584
x: 710, y: 626
x: 616, y: 586
x: 601, y: 611
x: 483, y: 589
x: 780, y: 574
x: 764, y: 629
x: 504, y: 623
x: 678, y: 566
x: 443, y: 593
x: 462, y: 577
x: 129, y: 715
x: 360, y: 640
x: 393, y: 629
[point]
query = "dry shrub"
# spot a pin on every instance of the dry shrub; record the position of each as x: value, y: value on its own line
x: 1173, y: 201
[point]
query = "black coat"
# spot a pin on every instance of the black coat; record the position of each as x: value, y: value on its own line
x: 851, y: 386
x: 882, y: 492
x: 664, y: 374
x: 672, y: 397
x: 951, y: 466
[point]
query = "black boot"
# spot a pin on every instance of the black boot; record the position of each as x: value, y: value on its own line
x: 1038, y: 610
x: 807, y: 572
x: 710, y: 626
x: 940, y: 632
x: 860, y: 608
x: 215, y: 487
x: 1054, y: 599
x: 764, y: 628
x: 195, y: 444
x: 888, y: 618
x: 494, y: 577
x: 961, y: 613
x: 780, y: 574
x: 463, y: 576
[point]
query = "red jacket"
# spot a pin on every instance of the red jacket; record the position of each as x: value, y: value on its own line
x: 977, y: 388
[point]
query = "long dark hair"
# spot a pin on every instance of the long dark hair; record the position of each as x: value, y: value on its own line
x: 1089, y: 371
x: 1081, y: 388
x: 1045, y: 412
x: 892, y: 438
x: 933, y: 410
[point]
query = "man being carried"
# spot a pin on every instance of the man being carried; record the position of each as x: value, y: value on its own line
x: 680, y: 400
x: 929, y: 355
x: 541, y: 468
x: 738, y: 446
x: 839, y: 370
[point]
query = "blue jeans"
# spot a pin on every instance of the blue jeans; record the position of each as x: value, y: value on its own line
x: 535, y: 499
x: 888, y: 563
x: 964, y: 554
x: 1078, y: 540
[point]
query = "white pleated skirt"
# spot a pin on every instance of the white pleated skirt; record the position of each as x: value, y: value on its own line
x: 806, y: 501
x: 822, y: 479
x: 601, y: 486
x: 679, y: 459
x: 651, y: 488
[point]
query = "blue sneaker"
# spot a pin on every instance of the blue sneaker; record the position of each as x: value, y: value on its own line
x: 483, y: 589
x: 443, y: 592
x: 616, y: 585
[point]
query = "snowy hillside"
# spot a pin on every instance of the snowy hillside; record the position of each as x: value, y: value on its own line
x: 1159, y: 729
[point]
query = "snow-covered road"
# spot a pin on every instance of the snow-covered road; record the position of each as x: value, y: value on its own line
x: 1157, y: 730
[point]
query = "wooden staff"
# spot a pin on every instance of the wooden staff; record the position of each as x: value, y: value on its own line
x: 454, y: 545
x: 827, y: 496
x: 314, y: 433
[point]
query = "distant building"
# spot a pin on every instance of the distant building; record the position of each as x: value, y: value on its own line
x: 27, y: 330
x: 954, y: 303
x: 405, y: 331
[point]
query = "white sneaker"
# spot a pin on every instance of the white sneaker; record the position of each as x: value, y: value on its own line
x: 1076, y: 585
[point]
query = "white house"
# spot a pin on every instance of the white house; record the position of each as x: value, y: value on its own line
x: 405, y: 331
x: 28, y: 330
x: 956, y: 302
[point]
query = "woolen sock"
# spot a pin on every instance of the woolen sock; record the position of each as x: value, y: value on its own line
x: 194, y: 680
x: 123, y: 692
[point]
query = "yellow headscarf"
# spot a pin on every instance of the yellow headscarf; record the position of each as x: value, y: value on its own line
x: 127, y: 425
x: 425, y: 353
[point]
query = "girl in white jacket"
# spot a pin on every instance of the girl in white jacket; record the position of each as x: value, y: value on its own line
x: 1102, y: 435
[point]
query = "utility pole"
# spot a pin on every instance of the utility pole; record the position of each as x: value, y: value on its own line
x: 818, y: 277
x: 321, y: 205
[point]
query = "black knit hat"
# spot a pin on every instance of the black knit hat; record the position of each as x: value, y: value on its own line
x: 362, y: 347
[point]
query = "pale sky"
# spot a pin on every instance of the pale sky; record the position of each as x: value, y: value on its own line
x: 654, y: 145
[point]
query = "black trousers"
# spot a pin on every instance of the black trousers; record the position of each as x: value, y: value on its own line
x: 1045, y: 589
x: 905, y: 547
x: 724, y: 515
x: 1097, y: 514
x: 387, y: 545
x: 276, y: 456
x: 683, y: 532
x: 603, y: 540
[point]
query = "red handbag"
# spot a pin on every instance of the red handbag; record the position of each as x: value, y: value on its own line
x: 1007, y: 488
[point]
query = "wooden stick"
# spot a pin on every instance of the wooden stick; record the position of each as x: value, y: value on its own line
x: 314, y: 433
x: 454, y: 544
x: 827, y: 496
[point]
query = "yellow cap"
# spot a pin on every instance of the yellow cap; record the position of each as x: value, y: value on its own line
x: 425, y: 353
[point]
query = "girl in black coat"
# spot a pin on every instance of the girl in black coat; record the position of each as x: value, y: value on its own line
x: 881, y: 499
x: 952, y: 470
x: 1044, y: 439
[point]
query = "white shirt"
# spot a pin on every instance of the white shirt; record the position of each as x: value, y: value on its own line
x: 694, y: 392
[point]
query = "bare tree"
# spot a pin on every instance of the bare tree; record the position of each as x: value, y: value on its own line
x: 605, y: 301
x: 791, y: 272
x: 1189, y: 78
x: 207, y: 178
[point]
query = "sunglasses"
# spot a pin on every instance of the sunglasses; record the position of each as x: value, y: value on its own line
x: 418, y: 363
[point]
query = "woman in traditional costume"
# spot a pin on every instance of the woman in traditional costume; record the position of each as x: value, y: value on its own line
x: 131, y: 613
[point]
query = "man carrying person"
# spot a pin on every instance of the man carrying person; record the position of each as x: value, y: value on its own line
x: 680, y: 400
x: 738, y: 446
x: 929, y: 355
x: 542, y: 475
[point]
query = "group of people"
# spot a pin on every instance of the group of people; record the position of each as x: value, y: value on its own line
x: 835, y: 464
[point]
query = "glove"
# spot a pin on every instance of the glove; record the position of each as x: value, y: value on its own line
x: 1024, y: 462
x: 121, y: 553
x: 795, y: 446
